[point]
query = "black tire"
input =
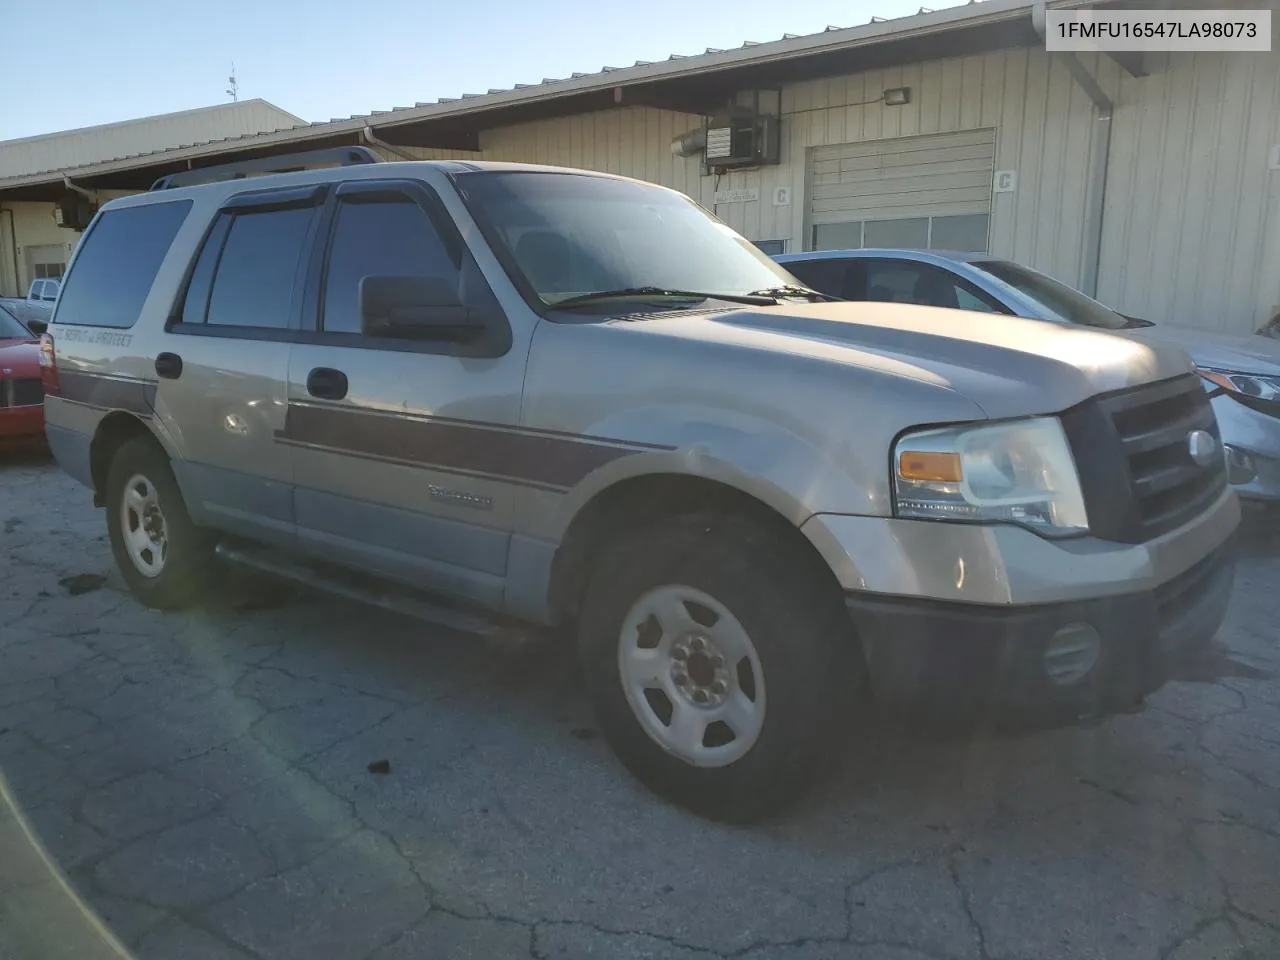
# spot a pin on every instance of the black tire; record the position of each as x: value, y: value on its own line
x: 794, y: 617
x: 189, y: 562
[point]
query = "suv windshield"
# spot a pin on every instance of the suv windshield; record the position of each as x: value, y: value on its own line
x: 568, y: 235
x: 11, y: 327
x: 1061, y: 301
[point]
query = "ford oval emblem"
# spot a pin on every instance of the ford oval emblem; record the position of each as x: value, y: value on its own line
x: 1202, y: 446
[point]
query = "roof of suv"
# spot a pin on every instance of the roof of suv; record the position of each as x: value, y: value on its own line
x: 362, y: 171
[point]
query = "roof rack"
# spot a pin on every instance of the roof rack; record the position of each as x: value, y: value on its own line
x: 339, y: 156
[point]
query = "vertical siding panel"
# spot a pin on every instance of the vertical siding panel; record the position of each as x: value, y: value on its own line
x: 1153, y: 166
x: 971, y: 93
x: 577, y: 148
x: 652, y: 133
x: 1010, y: 69
x: 626, y: 145
x: 1060, y: 158
x: 590, y: 141
x: 1255, y: 260
x: 1118, y: 211
x: 891, y: 117
x: 837, y: 97
x: 666, y: 133
x: 1031, y: 184
x: 873, y: 125
x: 940, y: 96
x: 613, y: 141
x: 1230, y: 219
x: 910, y: 116
x: 1195, y: 261
x: 799, y: 100
x: 1176, y: 153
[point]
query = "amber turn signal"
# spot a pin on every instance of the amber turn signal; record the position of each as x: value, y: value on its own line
x: 944, y: 467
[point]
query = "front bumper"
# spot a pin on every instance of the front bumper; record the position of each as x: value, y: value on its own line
x: 1256, y: 435
x: 948, y: 655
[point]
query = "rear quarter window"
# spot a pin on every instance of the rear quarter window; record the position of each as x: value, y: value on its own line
x: 117, y: 264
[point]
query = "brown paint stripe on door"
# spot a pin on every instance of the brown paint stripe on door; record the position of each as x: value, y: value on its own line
x: 555, y: 461
x: 108, y: 393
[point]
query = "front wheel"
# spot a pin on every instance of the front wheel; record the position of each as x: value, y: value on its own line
x: 165, y: 559
x: 718, y: 657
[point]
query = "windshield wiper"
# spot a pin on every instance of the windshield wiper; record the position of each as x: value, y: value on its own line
x: 791, y: 290
x: 754, y: 299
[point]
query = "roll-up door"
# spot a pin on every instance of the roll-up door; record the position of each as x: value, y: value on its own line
x: 929, y: 192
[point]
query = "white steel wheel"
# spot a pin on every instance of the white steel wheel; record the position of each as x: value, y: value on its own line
x: 143, y: 527
x: 692, y: 676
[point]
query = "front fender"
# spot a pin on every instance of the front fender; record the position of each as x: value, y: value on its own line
x: 759, y: 458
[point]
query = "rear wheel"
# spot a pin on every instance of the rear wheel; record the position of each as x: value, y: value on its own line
x: 718, y: 660
x: 165, y: 559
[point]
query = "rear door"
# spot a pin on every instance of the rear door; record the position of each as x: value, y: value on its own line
x: 224, y: 363
x: 401, y: 448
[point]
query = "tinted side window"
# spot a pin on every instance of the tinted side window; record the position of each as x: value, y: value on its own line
x: 825, y: 276
x: 384, y: 239
x: 196, y: 304
x: 923, y: 283
x: 257, y: 272
x: 118, y: 263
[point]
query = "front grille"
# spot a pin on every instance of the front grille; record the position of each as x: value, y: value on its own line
x: 21, y: 393
x: 1154, y: 423
x: 1132, y: 450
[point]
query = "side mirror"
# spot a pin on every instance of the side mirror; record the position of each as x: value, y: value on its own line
x: 414, y: 308
x: 37, y: 327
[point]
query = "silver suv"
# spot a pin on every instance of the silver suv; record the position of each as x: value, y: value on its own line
x: 496, y: 392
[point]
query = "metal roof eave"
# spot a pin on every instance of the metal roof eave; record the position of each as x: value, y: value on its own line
x: 921, y: 25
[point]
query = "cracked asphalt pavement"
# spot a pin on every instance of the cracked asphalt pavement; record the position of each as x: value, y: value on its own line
x: 203, y: 782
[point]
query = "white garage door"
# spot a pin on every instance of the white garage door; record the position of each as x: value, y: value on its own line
x: 930, y: 192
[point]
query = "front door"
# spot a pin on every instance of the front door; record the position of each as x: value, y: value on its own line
x: 399, y: 445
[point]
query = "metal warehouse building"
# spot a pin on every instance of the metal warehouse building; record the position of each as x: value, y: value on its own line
x: 1151, y: 180
x: 32, y: 244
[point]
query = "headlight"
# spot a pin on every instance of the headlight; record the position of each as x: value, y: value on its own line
x: 1256, y: 385
x: 1018, y: 472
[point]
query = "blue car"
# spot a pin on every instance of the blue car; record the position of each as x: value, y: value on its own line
x: 1241, y: 373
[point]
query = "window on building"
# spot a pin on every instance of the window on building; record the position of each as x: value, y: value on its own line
x: 386, y: 239
x: 911, y: 233
x: 119, y: 261
x: 257, y: 271
x: 771, y: 247
x: 967, y: 233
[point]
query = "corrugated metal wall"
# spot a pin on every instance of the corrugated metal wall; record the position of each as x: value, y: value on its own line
x: 1191, y: 232
x: 1192, y: 223
x: 95, y: 144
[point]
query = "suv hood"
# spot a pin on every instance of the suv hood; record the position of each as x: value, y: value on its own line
x: 1220, y: 350
x: 1008, y: 366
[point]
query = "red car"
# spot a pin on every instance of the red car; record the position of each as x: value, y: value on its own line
x: 21, y: 392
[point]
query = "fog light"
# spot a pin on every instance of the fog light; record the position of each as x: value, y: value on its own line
x: 1071, y: 653
x: 1240, y: 466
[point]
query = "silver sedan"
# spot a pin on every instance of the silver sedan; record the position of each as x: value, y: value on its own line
x: 1242, y: 373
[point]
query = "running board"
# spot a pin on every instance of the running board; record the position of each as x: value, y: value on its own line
x: 388, y: 596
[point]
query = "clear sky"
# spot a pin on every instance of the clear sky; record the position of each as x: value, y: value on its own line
x: 99, y: 61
